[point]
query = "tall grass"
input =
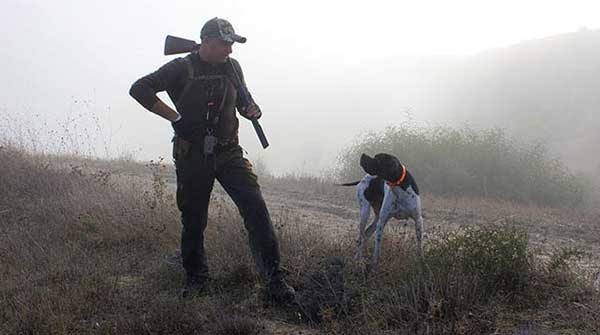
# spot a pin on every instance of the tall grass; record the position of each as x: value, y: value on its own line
x: 82, y: 253
x: 482, y: 163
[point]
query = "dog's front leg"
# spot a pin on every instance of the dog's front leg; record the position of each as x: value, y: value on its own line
x: 365, y: 211
x: 419, y: 227
x: 419, y: 232
x: 371, y: 229
x: 384, y: 215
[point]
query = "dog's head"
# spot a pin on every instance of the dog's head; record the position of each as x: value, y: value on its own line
x: 383, y: 165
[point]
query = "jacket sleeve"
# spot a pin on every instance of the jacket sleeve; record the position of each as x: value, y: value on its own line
x: 166, y: 77
x: 239, y: 103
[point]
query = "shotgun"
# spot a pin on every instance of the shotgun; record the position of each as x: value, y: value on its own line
x: 176, y: 45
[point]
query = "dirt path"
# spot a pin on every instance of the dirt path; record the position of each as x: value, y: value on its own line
x: 549, y: 229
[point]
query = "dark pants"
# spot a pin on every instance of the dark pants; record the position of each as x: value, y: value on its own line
x: 195, y: 180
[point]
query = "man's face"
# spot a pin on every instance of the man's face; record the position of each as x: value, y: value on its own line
x: 217, y: 50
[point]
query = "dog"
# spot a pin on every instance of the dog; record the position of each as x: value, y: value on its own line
x: 391, y: 191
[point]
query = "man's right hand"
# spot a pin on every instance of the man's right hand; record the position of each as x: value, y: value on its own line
x: 182, y: 129
x: 252, y: 111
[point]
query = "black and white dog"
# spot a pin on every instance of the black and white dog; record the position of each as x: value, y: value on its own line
x: 391, y: 191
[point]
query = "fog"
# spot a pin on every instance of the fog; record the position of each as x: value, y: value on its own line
x: 323, y: 72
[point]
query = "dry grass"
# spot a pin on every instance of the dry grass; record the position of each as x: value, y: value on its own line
x: 82, y: 252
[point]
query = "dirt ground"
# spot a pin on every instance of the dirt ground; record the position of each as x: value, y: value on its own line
x: 549, y: 228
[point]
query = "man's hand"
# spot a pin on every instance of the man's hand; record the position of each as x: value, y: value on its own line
x: 182, y: 129
x: 253, y: 111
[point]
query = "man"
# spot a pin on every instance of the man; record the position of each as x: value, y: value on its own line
x: 205, y: 148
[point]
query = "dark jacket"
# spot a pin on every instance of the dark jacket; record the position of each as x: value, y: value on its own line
x: 207, y: 84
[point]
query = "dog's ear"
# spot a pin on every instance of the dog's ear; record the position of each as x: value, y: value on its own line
x: 369, y: 164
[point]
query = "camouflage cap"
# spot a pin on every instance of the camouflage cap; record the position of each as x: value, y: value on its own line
x: 222, y: 29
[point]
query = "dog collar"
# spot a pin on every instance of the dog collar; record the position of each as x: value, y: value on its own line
x: 399, y: 181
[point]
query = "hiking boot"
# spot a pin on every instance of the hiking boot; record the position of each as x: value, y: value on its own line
x: 280, y: 291
x: 194, y: 286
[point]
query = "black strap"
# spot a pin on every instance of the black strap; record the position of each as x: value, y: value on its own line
x: 232, y: 73
x: 190, y: 80
x: 190, y: 68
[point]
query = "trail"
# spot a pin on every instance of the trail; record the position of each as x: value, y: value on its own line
x: 549, y: 229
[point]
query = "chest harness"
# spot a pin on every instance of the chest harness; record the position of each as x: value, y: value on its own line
x: 215, y: 88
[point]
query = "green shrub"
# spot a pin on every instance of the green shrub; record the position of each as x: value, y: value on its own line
x: 471, y: 162
x: 460, y: 273
x: 494, y: 259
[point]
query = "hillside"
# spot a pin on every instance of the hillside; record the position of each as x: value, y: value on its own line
x: 544, y: 89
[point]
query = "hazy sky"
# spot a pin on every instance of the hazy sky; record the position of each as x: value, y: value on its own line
x: 67, y: 65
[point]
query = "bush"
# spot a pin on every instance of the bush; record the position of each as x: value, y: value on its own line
x: 495, y: 260
x: 460, y: 273
x: 488, y: 163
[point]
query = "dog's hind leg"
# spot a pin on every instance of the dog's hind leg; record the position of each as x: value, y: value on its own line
x: 384, y: 216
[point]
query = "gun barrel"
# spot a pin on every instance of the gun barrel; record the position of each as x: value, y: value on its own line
x: 244, y: 95
x: 261, y: 134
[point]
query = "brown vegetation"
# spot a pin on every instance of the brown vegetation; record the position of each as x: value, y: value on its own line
x: 82, y: 252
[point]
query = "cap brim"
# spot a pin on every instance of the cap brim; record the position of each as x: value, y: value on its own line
x: 235, y: 38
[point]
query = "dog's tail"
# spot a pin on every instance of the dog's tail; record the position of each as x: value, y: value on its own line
x: 349, y: 184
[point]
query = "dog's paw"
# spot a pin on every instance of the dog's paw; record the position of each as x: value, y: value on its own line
x: 372, y: 267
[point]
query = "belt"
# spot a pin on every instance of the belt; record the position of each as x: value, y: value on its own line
x: 225, y: 145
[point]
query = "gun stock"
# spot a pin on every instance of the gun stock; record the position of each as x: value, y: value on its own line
x: 177, y: 45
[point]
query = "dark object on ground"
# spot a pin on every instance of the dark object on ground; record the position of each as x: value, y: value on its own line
x: 280, y: 292
x: 325, y: 295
